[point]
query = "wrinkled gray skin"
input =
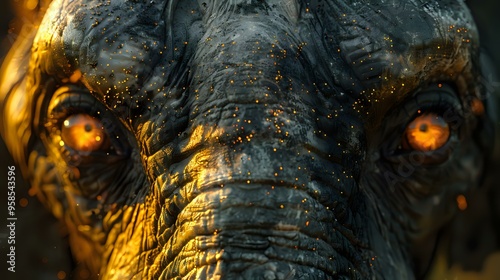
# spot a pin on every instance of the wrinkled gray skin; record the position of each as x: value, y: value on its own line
x: 250, y: 139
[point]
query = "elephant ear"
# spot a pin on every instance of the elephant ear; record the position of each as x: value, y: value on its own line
x: 22, y: 97
x: 45, y: 253
x: 15, y: 111
x: 16, y: 108
x: 471, y: 245
x: 20, y: 107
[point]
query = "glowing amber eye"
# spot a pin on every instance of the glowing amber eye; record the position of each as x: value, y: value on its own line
x: 427, y: 132
x: 83, y: 133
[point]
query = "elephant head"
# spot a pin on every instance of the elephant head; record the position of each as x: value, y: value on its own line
x: 183, y: 139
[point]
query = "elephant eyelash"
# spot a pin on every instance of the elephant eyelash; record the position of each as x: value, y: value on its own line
x: 447, y: 103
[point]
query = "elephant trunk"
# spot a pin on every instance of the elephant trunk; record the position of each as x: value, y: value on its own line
x: 261, y: 185
x: 220, y: 220
x: 257, y: 231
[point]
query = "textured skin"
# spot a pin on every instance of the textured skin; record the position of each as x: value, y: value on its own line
x: 250, y: 139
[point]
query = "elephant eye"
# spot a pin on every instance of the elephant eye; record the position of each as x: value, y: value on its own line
x: 84, y: 133
x: 83, y: 130
x: 427, y: 132
x: 427, y: 127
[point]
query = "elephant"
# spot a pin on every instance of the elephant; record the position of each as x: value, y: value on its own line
x: 253, y: 139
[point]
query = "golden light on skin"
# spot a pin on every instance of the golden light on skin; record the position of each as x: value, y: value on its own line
x: 427, y: 132
x: 82, y: 132
x: 77, y: 75
x: 31, y: 4
x: 201, y: 134
x: 196, y: 137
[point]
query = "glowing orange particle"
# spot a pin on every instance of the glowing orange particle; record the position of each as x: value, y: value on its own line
x: 477, y: 107
x: 427, y: 132
x: 61, y: 275
x: 461, y: 202
x: 23, y: 202
x: 82, y: 132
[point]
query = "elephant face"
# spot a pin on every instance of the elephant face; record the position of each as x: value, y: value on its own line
x: 250, y: 139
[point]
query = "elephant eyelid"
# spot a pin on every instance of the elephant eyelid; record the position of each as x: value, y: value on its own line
x: 70, y: 102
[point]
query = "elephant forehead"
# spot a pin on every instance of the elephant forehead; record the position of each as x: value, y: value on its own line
x: 111, y: 43
x: 129, y: 53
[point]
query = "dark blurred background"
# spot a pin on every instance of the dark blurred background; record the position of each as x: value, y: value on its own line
x: 44, y: 255
x: 487, y: 15
x: 6, y: 16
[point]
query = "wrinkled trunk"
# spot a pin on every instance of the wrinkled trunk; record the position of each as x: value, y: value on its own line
x: 253, y: 193
x: 241, y: 203
x: 257, y: 231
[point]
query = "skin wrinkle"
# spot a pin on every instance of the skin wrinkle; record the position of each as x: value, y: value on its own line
x: 221, y: 101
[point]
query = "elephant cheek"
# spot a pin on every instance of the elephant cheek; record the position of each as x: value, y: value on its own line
x: 130, y: 244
